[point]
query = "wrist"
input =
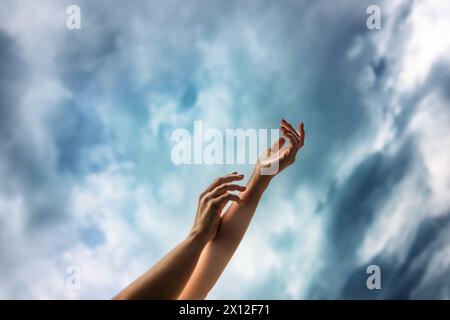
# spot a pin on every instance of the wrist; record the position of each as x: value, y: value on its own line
x: 197, y: 236
x: 260, y: 180
x: 256, y: 185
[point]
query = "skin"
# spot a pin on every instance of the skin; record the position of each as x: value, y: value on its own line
x: 191, y: 269
x: 167, y: 278
x: 235, y: 221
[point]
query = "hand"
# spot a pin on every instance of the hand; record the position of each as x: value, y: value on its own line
x: 279, y: 156
x: 211, y: 203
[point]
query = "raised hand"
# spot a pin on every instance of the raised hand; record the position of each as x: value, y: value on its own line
x: 279, y: 156
x: 167, y: 278
x: 234, y: 223
x: 190, y: 270
x: 211, y: 203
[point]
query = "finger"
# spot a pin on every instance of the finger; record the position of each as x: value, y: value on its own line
x: 293, y: 133
x: 278, y: 144
x: 222, y: 200
x: 301, y: 130
x: 292, y: 138
x: 225, y: 179
x: 219, y: 190
x: 288, y: 126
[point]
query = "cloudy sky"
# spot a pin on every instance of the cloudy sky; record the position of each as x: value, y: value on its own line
x: 86, y: 117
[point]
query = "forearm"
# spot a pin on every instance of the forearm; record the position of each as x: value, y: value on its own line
x: 167, y: 278
x: 219, y: 251
x: 238, y: 217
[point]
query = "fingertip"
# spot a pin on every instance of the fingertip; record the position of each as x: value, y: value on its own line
x: 286, y: 122
x: 281, y: 143
x: 301, y: 129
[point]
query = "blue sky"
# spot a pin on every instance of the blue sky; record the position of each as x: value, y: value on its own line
x: 86, y: 118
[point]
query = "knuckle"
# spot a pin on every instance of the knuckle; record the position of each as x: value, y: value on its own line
x: 213, y: 204
x: 230, y: 196
x: 226, y: 187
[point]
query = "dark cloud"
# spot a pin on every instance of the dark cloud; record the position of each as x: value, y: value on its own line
x: 77, y: 132
x: 83, y: 55
x: 379, y: 67
x: 24, y: 170
x: 356, y: 202
x: 352, y: 206
x: 438, y: 79
x: 12, y: 84
x: 92, y: 236
x: 189, y: 96
x: 324, y: 93
x: 403, y: 280
x: 16, y: 160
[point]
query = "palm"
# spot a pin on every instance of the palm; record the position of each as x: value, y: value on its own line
x: 280, y: 154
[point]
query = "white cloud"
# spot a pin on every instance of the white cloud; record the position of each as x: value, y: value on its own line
x: 138, y: 202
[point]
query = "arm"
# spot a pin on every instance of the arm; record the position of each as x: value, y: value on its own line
x: 167, y: 278
x: 219, y: 251
x: 235, y: 221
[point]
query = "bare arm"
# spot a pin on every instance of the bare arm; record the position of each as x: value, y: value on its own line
x: 218, y: 252
x: 167, y: 278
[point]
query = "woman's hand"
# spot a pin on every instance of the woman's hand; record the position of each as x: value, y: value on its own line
x: 211, y: 203
x: 167, y: 278
x: 218, y: 252
x: 279, y: 157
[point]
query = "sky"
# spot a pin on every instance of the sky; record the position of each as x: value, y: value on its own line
x: 86, y: 117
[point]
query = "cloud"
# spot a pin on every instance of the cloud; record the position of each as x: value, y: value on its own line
x: 86, y: 118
